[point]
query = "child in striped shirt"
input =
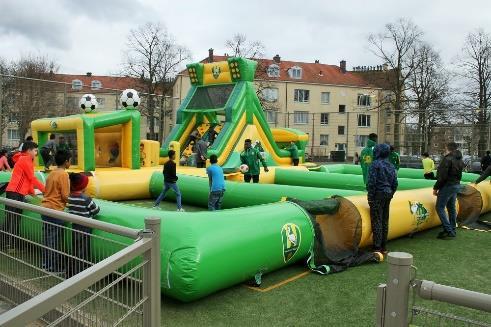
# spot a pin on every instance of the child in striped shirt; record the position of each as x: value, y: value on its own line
x: 81, y: 205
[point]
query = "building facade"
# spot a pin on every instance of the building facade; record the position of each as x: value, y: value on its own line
x: 336, y: 107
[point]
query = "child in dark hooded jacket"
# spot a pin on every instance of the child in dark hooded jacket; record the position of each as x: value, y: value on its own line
x: 381, y: 186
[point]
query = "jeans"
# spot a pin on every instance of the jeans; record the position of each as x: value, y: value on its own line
x: 379, y: 216
x: 446, y: 198
x: 12, y: 221
x: 247, y: 178
x: 215, y: 200
x: 175, y: 188
x: 52, y: 239
x: 80, y: 250
x: 48, y: 159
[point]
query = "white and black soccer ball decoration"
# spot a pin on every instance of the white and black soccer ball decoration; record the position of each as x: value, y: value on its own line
x: 88, y: 103
x: 130, y: 99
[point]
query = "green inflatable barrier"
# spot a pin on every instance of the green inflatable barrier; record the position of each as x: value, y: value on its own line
x: 339, y: 181
x: 195, y: 191
x: 204, y: 252
x: 402, y: 173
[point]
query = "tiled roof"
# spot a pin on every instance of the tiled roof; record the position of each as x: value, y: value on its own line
x: 108, y: 82
x: 311, y: 73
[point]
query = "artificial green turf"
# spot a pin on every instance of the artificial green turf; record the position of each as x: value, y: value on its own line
x: 347, y: 298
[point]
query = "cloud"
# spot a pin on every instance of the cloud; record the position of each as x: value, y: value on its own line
x: 39, y: 22
x: 90, y: 35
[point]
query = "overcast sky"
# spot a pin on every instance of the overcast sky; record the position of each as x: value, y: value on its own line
x: 90, y: 35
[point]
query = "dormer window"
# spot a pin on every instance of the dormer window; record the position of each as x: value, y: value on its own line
x: 273, y: 70
x: 77, y: 84
x: 295, y: 72
x: 96, y: 85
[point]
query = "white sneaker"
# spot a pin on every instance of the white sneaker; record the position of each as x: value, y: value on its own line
x: 181, y: 210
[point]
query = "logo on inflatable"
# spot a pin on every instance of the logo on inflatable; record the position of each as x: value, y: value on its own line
x: 290, y: 236
x: 419, y: 212
x: 53, y: 124
x: 216, y: 71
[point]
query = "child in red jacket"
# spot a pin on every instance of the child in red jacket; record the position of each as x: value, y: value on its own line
x: 21, y: 184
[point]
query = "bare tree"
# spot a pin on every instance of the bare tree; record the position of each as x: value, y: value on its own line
x: 29, y: 97
x: 428, y: 94
x: 239, y: 46
x: 154, y: 56
x: 396, y: 46
x: 475, y: 68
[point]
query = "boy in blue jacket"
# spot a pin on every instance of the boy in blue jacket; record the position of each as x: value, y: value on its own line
x: 381, y: 186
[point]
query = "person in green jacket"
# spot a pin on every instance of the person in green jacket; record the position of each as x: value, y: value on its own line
x: 251, y: 157
x: 394, y: 158
x: 294, y: 153
x: 366, y: 156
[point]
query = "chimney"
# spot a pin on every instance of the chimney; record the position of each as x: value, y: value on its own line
x: 342, y: 66
x: 316, y: 61
x: 89, y: 74
x: 277, y: 59
x: 210, y: 55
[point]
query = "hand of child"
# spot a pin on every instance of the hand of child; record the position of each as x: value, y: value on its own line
x: 266, y: 169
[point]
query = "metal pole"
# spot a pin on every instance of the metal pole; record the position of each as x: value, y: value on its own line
x: 489, y: 128
x: 396, y: 308
x: 151, y: 275
x: 380, y: 305
x: 475, y: 300
x: 93, y: 223
x: 313, y: 136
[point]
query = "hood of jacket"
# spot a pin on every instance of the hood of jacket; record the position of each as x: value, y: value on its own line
x: 456, y: 154
x: 371, y: 143
x: 381, y: 151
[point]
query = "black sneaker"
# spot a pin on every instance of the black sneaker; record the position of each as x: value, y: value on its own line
x: 444, y: 235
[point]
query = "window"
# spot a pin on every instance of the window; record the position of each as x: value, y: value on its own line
x: 301, y: 95
x: 342, y: 108
x: 340, y: 130
x: 270, y: 94
x: 301, y: 117
x: 324, y: 139
x: 13, y: 134
x: 324, y: 118
x: 363, y: 100
x: 325, y: 97
x: 361, y: 140
x: 96, y: 85
x: 363, y: 120
x: 388, y: 128
x: 295, y: 72
x: 271, y: 116
x: 13, y: 116
x: 72, y: 103
x: 273, y: 70
x: 77, y: 84
x: 340, y: 146
x: 101, y: 102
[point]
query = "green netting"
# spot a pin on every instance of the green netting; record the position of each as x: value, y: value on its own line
x: 211, y: 97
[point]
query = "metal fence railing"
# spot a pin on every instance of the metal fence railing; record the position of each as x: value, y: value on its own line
x: 394, y: 308
x: 73, y: 271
